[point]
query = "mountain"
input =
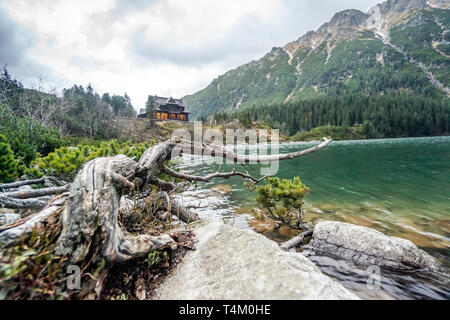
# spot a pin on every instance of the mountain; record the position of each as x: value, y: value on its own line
x: 397, y: 47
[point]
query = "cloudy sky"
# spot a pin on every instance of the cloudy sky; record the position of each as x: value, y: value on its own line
x: 142, y: 47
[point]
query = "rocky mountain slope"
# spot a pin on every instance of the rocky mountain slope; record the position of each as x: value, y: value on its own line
x: 397, y: 47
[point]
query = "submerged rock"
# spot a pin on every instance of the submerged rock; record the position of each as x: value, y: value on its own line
x: 232, y: 263
x: 367, y: 246
x: 224, y: 188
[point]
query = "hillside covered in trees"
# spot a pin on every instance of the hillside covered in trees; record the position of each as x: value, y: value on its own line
x: 358, y: 115
x: 34, y: 124
x: 396, y: 54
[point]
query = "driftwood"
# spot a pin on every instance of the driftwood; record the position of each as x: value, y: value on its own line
x: 218, y: 151
x: 90, y: 211
x: 27, y: 199
x: 12, y: 233
x: 11, y: 203
x: 223, y: 175
x: 164, y: 185
x: 176, y: 209
x: 17, y: 184
x: 296, y: 241
x: 153, y: 158
x: 36, y: 193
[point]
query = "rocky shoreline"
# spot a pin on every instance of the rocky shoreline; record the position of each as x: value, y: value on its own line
x: 231, y: 263
x: 366, y: 246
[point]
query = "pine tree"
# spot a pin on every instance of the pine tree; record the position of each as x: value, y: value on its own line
x: 150, y: 105
x: 8, y: 165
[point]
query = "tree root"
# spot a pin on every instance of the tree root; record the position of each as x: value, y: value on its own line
x: 93, y: 207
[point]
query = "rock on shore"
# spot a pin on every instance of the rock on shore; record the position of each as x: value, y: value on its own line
x: 369, y: 247
x: 232, y: 263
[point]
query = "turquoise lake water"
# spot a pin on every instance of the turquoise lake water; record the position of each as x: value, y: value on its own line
x: 398, y: 186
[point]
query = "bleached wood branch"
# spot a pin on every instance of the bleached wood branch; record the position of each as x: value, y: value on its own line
x: 223, y: 175
x: 17, y: 184
x: 217, y: 151
x: 296, y: 241
x: 36, y: 193
x: 11, y: 233
x: 164, y: 185
x: 8, y: 218
x: 176, y: 209
x: 11, y: 203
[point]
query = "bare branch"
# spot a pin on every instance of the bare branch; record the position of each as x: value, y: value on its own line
x: 11, y: 203
x: 223, y: 175
x: 36, y: 193
x: 7, y: 186
x: 164, y: 185
x: 175, y: 208
x: 217, y: 151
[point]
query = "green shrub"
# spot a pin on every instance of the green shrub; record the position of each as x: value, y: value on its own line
x: 65, y: 162
x: 8, y: 165
x: 282, y: 200
x: 27, y: 137
x: 156, y: 257
x: 334, y: 132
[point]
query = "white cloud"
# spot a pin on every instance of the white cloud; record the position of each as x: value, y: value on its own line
x: 165, y: 47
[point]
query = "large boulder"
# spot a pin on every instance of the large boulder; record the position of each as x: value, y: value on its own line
x: 369, y: 247
x: 232, y: 263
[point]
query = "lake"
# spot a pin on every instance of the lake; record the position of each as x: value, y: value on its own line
x: 400, y: 187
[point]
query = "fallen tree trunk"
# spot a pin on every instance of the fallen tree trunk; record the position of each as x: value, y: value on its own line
x: 36, y: 193
x: 12, y: 233
x: 17, y: 184
x: 296, y: 241
x: 11, y: 203
x: 221, y: 152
